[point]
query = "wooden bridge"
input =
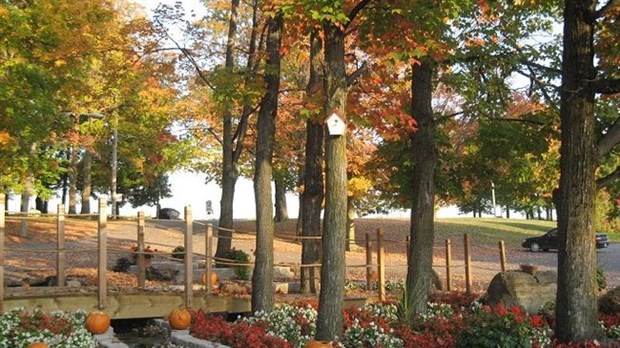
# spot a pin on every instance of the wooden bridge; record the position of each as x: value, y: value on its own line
x: 122, y: 303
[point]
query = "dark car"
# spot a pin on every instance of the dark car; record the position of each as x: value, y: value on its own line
x: 550, y: 240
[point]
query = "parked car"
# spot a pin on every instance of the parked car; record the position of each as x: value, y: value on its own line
x: 550, y: 240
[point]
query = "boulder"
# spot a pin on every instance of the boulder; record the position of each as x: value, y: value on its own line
x: 610, y: 302
x: 280, y: 272
x: 168, y: 214
x: 517, y: 288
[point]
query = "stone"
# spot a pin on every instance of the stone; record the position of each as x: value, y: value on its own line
x: 280, y: 272
x: 169, y: 214
x: 609, y: 303
x: 74, y: 283
x: 517, y: 288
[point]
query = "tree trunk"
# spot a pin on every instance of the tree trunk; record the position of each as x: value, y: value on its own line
x: 329, y: 321
x: 262, y: 278
x: 576, y: 308
x: 87, y: 166
x: 281, y: 207
x: 507, y: 213
x: 229, y: 169
x: 25, y: 205
x: 424, y: 155
x: 65, y: 181
x: 41, y: 205
x: 73, y: 180
x: 312, y: 196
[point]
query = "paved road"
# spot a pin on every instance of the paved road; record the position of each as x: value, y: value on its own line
x: 608, y: 260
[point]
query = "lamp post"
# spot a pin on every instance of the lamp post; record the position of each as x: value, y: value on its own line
x: 113, y: 172
x: 493, y: 198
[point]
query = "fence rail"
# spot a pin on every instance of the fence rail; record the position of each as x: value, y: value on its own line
x: 372, y: 246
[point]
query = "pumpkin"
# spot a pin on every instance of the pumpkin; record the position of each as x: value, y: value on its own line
x: 213, y: 279
x: 180, y: 319
x: 318, y: 344
x: 38, y: 345
x: 97, y: 322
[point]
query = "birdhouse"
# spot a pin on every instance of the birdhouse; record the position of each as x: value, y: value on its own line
x: 335, y: 124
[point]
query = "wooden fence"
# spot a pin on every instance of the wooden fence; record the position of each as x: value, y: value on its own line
x: 372, y: 246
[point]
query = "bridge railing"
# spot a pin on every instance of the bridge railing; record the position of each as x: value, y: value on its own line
x: 375, y: 271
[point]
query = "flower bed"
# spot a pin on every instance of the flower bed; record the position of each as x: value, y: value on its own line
x: 20, y: 327
x: 456, y: 321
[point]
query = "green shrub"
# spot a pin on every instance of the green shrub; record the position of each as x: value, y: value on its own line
x: 601, y: 281
x: 242, y: 271
x: 495, y: 327
x: 122, y: 265
x: 178, y: 253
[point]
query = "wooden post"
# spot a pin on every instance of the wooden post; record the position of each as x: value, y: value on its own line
x: 208, y: 258
x: 467, y: 264
x: 140, y: 259
x: 2, y: 211
x: 381, y: 264
x: 448, y: 264
x: 502, y: 255
x: 60, y: 245
x: 189, y: 257
x: 368, y: 263
x: 102, y: 267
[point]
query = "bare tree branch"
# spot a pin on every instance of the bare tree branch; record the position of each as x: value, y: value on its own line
x: 354, y: 12
x: 531, y: 64
x: 610, y: 139
x: 356, y: 74
x: 441, y: 117
x: 606, y: 86
x: 541, y: 85
x: 603, y: 10
x: 520, y: 120
x: 609, y: 179
x: 189, y: 57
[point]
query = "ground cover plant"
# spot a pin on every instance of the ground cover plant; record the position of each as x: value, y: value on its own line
x: 453, y: 320
x: 20, y: 327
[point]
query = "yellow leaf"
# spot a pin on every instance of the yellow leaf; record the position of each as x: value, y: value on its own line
x: 5, y: 138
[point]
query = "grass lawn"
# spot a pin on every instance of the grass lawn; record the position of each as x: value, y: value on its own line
x: 490, y: 230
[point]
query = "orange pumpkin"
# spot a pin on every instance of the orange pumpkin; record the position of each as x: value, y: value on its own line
x: 180, y: 319
x: 318, y: 344
x: 97, y: 322
x: 213, y: 279
x: 38, y: 345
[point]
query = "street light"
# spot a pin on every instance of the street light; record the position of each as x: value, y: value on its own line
x: 113, y: 173
x: 493, y: 198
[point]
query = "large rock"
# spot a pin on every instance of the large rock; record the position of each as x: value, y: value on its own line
x: 169, y: 214
x: 610, y: 302
x: 280, y: 272
x: 517, y: 288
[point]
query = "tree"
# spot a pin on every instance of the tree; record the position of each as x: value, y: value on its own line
x: 262, y: 278
x: 48, y: 46
x: 312, y: 194
x: 576, y: 308
x: 419, y: 269
x: 226, y: 92
x: 329, y: 322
